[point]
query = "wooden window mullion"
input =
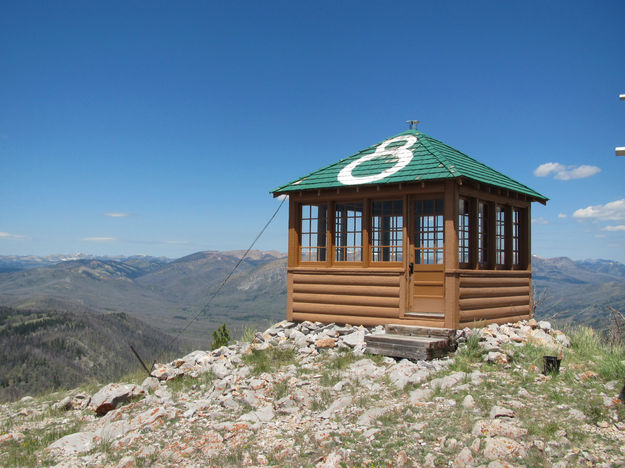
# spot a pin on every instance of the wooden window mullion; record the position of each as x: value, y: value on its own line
x: 507, y: 232
x: 473, y: 260
x: 491, y: 229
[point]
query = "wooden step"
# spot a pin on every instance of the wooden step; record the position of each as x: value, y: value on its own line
x: 410, y: 330
x: 411, y: 347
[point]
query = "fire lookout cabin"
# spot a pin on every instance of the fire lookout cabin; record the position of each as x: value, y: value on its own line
x: 409, y: 231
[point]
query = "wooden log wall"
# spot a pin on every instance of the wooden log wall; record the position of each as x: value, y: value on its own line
x: 494, y: 296
x: 356, y: 297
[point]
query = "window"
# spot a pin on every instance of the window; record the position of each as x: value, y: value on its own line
x: 500, y: 230
x: 463, y: 231
x: 482, y: 233
x: 516, y: 229
x: 429, y: 232
x: 313, y: 233
x: 387, y: 235
x: 348, y: 232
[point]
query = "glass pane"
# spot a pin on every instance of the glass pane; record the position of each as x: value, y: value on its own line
x: 313, y: 233
x: 348, y: 232
x: 387, y: 231
x: 428, y: 231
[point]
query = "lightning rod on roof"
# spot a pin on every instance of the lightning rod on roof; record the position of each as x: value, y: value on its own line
x: 412, y: 124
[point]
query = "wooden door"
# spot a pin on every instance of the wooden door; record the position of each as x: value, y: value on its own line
x: 426, y: 279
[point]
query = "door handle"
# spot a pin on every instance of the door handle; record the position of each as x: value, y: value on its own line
x: 411, y: 268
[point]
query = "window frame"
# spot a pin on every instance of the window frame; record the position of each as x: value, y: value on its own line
x: 363, y: 234
x: 402, y: 245
x: 301, y: 233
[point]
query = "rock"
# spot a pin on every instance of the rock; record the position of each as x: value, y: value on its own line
x: 126, y: 462
x: 405, y: 372
x: 430, y: 461
x: 369, y: 416
x: 336, y: 405
x: 503, y: 447
x: 78, y: 442
x: 64, y: 404
x: 419, y: 395
x: 220, y: 370
x: 150, y: 384
x: 354, y: 338
x: 108, y: 397
x: 539, y: 338
x: 588, y: 375
x: 499, y: 412
x: 263, y: 414
x: 325, y: 343
x: 464, y: 459
x: 544, y: 325
x: 11, y: 436
x: 448, y: 381
x: 332, y: 460
x: 401, y: 460
x: 496, y: 357
x: 468, y: 402
x: 577, y: 414
x: 498, y: 427
x: 475, y: 446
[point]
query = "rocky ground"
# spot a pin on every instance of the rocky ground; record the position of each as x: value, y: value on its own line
x: 307, y: 394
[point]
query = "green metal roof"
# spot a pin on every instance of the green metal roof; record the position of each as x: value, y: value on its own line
x: 411, y: 156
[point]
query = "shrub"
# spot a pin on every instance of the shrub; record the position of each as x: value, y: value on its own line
x: 221, y: 337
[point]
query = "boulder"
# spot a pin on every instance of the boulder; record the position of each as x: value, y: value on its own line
x: 78, y: 442
x: 498, y: 427
x: 110, y: 396
x: 464, y: 459
x: 448, y: 381
x: 336, y: 405
x: 369, y: 416
x: 500, y: 412
x: 503, y: 447
x: 354, y: 338
x: 264, y: 414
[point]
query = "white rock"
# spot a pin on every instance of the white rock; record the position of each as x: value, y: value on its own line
x: 370, y: 416
x: 419, y: 395
x: 336, y: 405
x: 78, y: 442
x: 354, y: 338
x: 502, y: 448
x: 464, y: 459
x: 263, y: 414
x: 500, y: 412
x: 448, y: 381
x: 544, y: 325
x: 468, y: 402
x: 109, y: 396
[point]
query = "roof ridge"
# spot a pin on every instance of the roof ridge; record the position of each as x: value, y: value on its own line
x: 477, y: 162
x: 427, y: 148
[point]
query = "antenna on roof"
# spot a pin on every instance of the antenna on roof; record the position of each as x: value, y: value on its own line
x: 412, y: 124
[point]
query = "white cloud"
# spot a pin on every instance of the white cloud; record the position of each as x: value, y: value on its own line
x: 98, y: 239
x: 562, y: 215
x: 540, y: 220
x: 611, y: 211
x: 600, y: 236
x: 6, y: 235
x: 620, y: 227
x: 562, y: 172
x: 118, y: 215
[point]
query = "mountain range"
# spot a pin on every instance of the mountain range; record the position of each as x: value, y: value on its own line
x: 165, y: 293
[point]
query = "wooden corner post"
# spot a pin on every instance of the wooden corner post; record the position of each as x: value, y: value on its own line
x: 450, y: 253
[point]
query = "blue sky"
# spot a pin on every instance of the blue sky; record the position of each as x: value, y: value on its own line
x: 179, y: 117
